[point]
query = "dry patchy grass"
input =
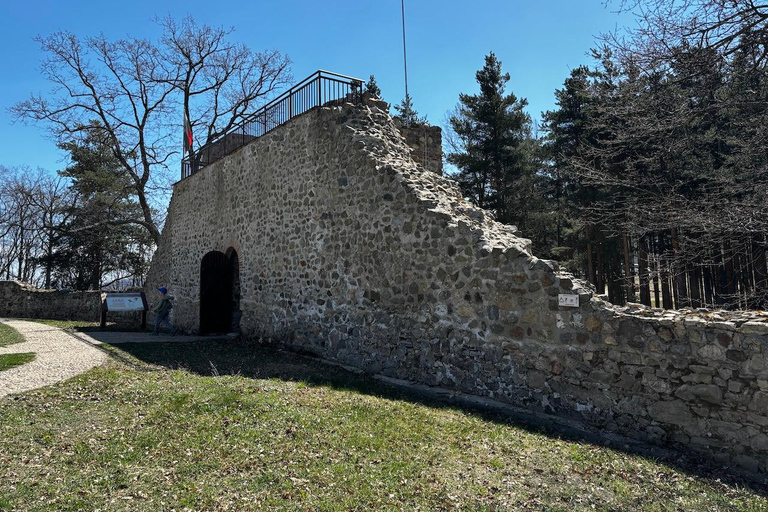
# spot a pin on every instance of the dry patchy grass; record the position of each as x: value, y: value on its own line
x: 229, y: 426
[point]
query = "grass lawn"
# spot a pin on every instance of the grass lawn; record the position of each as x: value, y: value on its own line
x: 8, y: 361
x: 9, y: 335
x: 236, y: 426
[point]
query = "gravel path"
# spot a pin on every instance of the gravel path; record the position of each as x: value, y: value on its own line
x: 58, y: 356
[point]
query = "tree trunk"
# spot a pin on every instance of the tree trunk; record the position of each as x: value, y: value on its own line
x: 708, y: 291
x: 666, y: 295
x: 590, y: 264
x: 48, y: 260
x: 642, y: 263
x: 761, y: 270
x: 629, y: 275
x: 94, y: 276
x: 723, y: 296
x: 20, y: 258
x: 616, y: 282
x: 681, y: 288
x: 730, y: 276
x: 694, y: 277
x: 600, y: 272
x: 738, y: 278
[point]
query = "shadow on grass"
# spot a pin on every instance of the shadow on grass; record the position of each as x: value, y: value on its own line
x: 252, y: 360
x: 86, y: 326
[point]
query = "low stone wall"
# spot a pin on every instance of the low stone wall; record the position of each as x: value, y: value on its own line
x: 689, y: 379
x: 350, y: 250
x: 21, y: 300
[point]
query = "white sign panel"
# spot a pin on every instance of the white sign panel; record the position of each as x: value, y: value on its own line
x: 124, y: 302
x: 568, y: 300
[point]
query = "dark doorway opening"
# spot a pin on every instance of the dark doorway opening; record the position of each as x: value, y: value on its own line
x: 219, y: 292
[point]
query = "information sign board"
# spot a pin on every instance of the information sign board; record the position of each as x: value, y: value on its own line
x: 125, y: 302
x: 117, y: 302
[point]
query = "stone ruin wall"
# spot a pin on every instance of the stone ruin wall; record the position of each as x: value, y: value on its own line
x: 21, y: 300
x: 426, y: 145
x: 351, y: 251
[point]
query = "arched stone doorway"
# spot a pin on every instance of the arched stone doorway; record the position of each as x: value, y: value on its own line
x: 219, y: 292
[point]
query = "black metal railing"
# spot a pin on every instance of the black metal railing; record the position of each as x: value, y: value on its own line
x: 321, y: 88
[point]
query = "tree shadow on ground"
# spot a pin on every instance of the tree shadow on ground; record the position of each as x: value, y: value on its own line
x: 90, y: 327
x: 258, y: 361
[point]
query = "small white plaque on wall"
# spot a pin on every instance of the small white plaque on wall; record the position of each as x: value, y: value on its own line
x: 568, y: 300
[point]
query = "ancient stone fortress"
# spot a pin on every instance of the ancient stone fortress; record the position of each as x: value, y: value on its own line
x: 325, y: 236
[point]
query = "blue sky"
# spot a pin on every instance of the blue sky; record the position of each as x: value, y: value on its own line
x: 538, y: 42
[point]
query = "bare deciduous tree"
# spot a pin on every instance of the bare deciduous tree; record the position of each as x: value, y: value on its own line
x: 116, y: 84
x: 136, y: 91
x: 666, y: 26
x: 52, y: 199
x: 220, y: 81
x: 31, y: 205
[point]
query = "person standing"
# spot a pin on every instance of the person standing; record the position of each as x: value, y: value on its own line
x: 162, y: 310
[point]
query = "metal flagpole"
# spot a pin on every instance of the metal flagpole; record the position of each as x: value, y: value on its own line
x: 405, y: 60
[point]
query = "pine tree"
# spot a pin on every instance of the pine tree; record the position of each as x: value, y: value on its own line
x: 100, y: 238
x: 372, y: 88
x: 407, y: 114
x: 568, y: 131
x: 492, y: 146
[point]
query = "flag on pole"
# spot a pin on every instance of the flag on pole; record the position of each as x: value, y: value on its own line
x: 187, y: 134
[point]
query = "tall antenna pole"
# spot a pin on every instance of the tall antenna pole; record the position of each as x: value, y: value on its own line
x: 405, y: 60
